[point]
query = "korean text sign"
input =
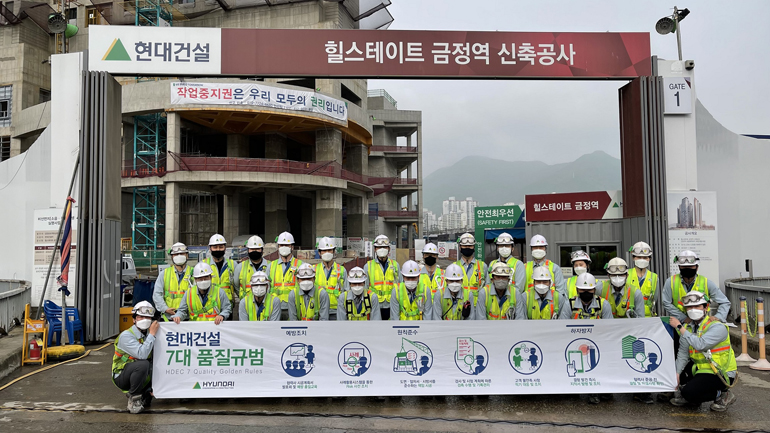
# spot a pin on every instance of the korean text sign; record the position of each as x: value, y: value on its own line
x: 575, y: 206
x: 493, y: 217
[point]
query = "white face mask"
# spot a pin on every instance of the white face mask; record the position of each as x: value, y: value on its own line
x: 259, y: 291
x: 327, y: 257
x: 505, y: 252
x: 618, y: 280
x: 179, y: 259
x: 580, y: 270
x: 695, y: 315
x: 284, y: 251
x: 501, y: 284
x: 382, y: 252
x: 455, y: 287
x: 538, y: 254
x: 306, y: 286
x: 357, y: 290
x: 542, y: 289
x: 203, y: 285
x: 410, y: 285
x: 641, y: 263
x: 143, y: 324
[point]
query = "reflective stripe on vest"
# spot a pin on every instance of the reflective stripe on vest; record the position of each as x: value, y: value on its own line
x: 173, y: 289
x: 333, y: 285
x: 678, y: 291
x: 593, y: 314
x: 446, y: 306
x: 436, y: 285
x: 307, y: 312
x: 197, y: 311
x: 551, y: 310
x: 381, y: 284
x: 251, y: 308
x: 621, y: 310
x: 474, y: 283
x: 722, y: 353
x: 282, y: 283
x: 366, y: 311
x: 531, y: 269
x: 121, y: 358
x: 494, y: 312
x: 223, y: 281
x: 648, y: 289
x: 411, y: 310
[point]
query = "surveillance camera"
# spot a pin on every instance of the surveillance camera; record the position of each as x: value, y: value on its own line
x: 689, y: 65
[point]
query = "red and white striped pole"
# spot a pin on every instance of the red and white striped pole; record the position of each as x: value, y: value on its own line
x: 744, y: 358
x: 761, y: 363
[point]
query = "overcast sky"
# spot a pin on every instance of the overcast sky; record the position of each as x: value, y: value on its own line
x: 557, y: 121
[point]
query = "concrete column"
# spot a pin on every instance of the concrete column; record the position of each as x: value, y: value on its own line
x: 358, y: 216
x: 328, y: 205
x: 409, y: 204
x: 173, y: 139
x: 330, y: 87
x: 275, y: 215
x: 128, y: 141
x: 410, y: 236
x: 15, y: 146
x: 237, y: 146
x: 275, y: 148
x: 328, y: 145
x: 173, y: 195
x: 357, y: 159
x: 236, y: 215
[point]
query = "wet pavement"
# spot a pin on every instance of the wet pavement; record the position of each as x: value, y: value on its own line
x: 79, y: 396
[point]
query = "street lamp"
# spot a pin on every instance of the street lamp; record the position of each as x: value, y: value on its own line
x: 670, y: 24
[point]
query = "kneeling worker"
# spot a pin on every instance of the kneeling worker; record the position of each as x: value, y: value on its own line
x: 259, y: 305
x: 411, y: 300
x: 199, y: 303
x: 501, y: 300
x: 706, y: 361
x: 456, y: 301
x: 307, y: 302
x: 354, y: 304
x: 131, y: 363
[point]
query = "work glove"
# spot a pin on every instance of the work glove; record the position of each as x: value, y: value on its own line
x: 466, y: 310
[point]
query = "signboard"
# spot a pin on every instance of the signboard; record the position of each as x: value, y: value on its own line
x: 444, y: 248
x: 574, y: 206
x: 380, y: 358
x: 45, y: 228
x: 493, y: 217
x: 692, y: 225
x: 257, y: 94
x: 367, y: 53
x: 677, y: 95
x: 357, y: 244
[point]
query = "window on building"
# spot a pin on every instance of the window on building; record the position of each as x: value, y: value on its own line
x: 93, y: 17
x: 6, y: 94
x: 5, y: 148
x: 44, y: 96
x: 600, y: 255
x: 72, y: 14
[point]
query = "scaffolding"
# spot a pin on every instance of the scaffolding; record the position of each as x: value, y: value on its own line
x: 153, y: 13
x: 147, y: 227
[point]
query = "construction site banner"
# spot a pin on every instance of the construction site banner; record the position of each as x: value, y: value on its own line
x: 386, y: 358
x: 257, y: 94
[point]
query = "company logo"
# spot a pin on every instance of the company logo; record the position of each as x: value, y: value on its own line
x: 117, y: 52
x: 215, y: 385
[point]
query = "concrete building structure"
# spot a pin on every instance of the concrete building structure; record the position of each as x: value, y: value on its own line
x: 190, y: 171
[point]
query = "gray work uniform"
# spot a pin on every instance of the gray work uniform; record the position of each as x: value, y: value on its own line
x: 129, y: 343
x: 715, y: 295
x: 520, y: 311
x: 323, y: 299
x: 519, y: 274
x: 358, y: 303
x: 275, y: 312
x: 226, y: 311
x: 158, y: 291
x: 712, y: 337
x: 395, y: 306
x: 458, y: 301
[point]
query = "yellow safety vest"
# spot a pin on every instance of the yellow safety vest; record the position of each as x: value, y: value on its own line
x: 412, y: 310
x: 247, y: 271
x: 446, y: 306
x: 475, y: 281
x: 120, y: 359
x: 365, y: 313
x: 722, y: 353
x: 678, y: 291
x: 199, y: 312
x: 333, y: 285
x: 494, y: 311
x: 512, y: 262
x: 223, y: 281
x: 173, y: 289
x: 621, y: 310
x: 648, y: 289
x: 251, y: 308
x: 282, y: 283
x: 381, y: 284
x: 549, y: 311
x: 307, y: 312
x: 594, y: 314
x: 435, y: 285
x: 531, y: 269
x: 572, y: 288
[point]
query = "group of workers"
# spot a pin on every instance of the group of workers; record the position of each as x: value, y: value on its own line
x: 468, y: 289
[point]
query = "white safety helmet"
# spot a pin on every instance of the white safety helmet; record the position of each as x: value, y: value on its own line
x: 202, y: 269
x: 178, y: 248
x: 617, y: 266
x: 259, y: 278
x: 430, y: 248
x: 687, y: 258
x: 579, y: 255
x: 285, y: 238
x: 143, y: 308
x: 217, y: 239
x: 501, y: 269
x: 356, y: 275
x: 306, y: 270
x: 641, y: 249
x: 504, y: 239
x: 538, y: 241
x: 326, y: 243
x: 255, y: 242
x: 694, y: 298
x: 410, y: 268
x: 586, y: 282
x: 381, y: 241
x: 541, y: 273
x: 454, y: 272
x: 467, y: 239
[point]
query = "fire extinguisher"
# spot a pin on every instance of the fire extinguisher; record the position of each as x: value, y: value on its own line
x: 34, y: 350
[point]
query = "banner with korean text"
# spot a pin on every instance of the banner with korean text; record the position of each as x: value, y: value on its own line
x: 257, y: 94
x: 311, y: 359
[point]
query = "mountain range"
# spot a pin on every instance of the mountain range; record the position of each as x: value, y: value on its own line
x: 493, y: 181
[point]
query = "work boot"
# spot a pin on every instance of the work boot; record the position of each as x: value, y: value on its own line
x: 593, y: 398
x: 678, y: 400
x: 147, y: 398
x: 135, y: 404
x: 726, y: 399
x: 606, y: 397
x: 664, y: 397
x: 645, y: 398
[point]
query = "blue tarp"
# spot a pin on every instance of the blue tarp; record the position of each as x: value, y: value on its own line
x: 516, y: 233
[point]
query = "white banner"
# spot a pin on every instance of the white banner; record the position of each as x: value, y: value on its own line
x: 312, y: 359
x: 257, y: 94
x: 46, y: 227
x: 692, y: 225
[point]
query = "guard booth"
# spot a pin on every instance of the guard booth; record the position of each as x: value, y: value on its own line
x: 588, y: 221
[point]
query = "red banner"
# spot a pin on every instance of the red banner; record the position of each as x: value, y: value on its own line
x: 576, y: 206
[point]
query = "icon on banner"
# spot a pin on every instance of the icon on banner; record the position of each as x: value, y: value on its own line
x: 582, y: 356
x: 525, y: 357
x: 415, y: 358
x: 471, y: 357
x: 298, y: 360
x: 354, y: 359
x: 641, y: 354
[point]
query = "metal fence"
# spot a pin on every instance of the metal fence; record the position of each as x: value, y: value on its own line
x: 751, y: 288
x: 14, y: 295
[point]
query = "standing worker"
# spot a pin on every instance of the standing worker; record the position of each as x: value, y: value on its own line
x: 544, y: 301
x: 308, y: 302
x: 173, y: 282
x: 642, y: 279
x: 283, y: 272
x: 580, y: 265
x: 474, y: 271
x: 330, y: 275
x: 501, y: 300
x: 260, y: 305
x: 431, y: 275
x: 354, y: 304
x: 255, y: 247
x: 200, y: 304
x: 410, y: 300
x: 383, y: 274
x: 706, y: 362
x: 132, y: 361
x: 624, y: 300
x: 455, y: 302
x: 222, y: 269
x: 686, y: 281
x: 538, y: 246
x: 505, y: 253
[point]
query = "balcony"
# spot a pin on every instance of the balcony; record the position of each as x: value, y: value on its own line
x: 394, y: 151
x: 399, y: 215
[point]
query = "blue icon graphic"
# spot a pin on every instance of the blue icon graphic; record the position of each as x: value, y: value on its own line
x: 354, y: 359
x: 415, y: 358
x: 641, y: 354
x: 525, y: 357
x: 582, y: 356
x: 471, y: 357
x: 298, y: 360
